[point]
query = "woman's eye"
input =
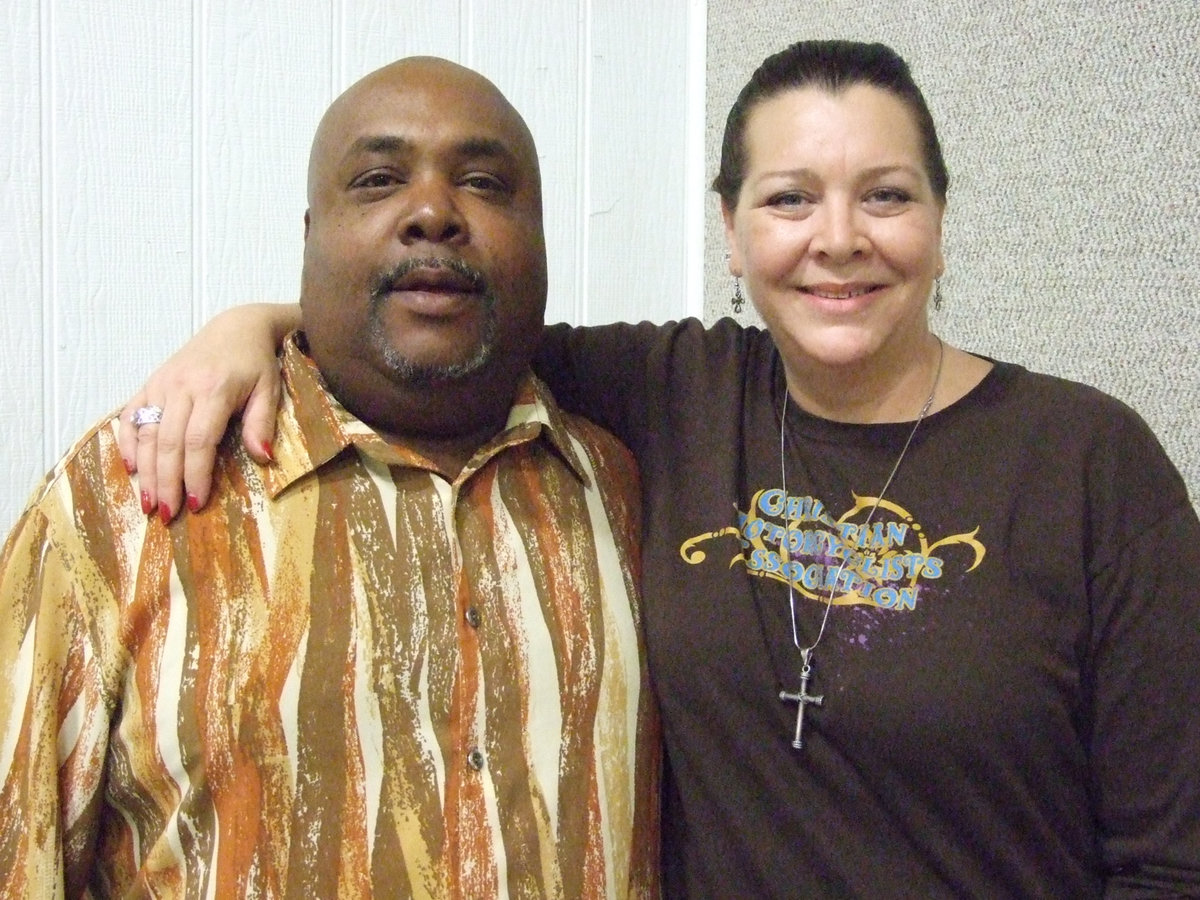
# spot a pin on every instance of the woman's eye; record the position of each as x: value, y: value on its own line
x: 788, y: 199
x: 891, y: 196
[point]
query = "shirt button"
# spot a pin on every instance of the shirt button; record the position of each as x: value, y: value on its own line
x: 473, y: 617
x: 475, y: 759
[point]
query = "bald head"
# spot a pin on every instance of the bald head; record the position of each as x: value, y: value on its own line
x: 458, y: 88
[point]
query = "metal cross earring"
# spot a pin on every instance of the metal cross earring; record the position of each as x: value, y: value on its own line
x: 937, y: 293
x: 738, y: 300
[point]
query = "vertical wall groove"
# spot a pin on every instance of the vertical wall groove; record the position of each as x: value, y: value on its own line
x: 583, y: 169
x: 337, y: 49
x: 695, y: 177
x: 49, y: 255
x: 466, y: 46
x: 200, y: 310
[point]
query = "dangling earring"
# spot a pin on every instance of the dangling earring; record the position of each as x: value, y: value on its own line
x: 739, y: 299
x: 937, y: 293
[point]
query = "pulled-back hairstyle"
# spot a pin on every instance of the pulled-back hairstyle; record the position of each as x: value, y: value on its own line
x: 832, y: 66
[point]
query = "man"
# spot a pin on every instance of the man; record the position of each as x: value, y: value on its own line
x: 404, y: 660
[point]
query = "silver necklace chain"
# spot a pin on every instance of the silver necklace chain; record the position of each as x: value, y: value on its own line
x: 802, y: 698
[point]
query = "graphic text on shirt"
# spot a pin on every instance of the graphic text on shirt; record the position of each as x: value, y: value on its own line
x: 886, y: 560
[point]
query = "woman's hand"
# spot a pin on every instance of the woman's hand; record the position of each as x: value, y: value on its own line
x: 229, y: 366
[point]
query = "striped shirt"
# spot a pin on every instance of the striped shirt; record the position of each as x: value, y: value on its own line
x: 345, y: 677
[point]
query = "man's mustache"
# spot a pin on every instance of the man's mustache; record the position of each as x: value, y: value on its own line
x: 391, y: 280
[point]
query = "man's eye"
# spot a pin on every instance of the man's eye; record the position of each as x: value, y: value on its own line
x: 375, y: 180
x: 486, y: 183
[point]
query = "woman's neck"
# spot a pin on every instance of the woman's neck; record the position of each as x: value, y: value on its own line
x: 889, y: 388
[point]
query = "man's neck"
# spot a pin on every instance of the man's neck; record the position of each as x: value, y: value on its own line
x: 448, y: 455
x: 444, y: 423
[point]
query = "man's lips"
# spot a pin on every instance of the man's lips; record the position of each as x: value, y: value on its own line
x: 435, y: 300
x: 436, y: 280
x: 434, y: 287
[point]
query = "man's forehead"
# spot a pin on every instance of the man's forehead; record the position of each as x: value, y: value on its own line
x: 422, y: 104
x: 405, y: 113
x: 401, y: 143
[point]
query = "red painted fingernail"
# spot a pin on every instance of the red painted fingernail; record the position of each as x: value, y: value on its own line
x: 164, y: 513
x: 193, y: 503
x: 128, y: 466
x: 146, y: 507
x: 266, y: 447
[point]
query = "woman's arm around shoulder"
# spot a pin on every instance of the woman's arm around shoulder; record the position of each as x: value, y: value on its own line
x: 230, y: 365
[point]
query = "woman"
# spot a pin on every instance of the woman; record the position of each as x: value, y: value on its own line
x: 919, y: 622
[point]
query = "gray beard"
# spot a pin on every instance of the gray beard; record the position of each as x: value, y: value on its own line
x: 407, y: 372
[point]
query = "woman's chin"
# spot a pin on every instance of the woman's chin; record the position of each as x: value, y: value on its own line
x: 832, y: 349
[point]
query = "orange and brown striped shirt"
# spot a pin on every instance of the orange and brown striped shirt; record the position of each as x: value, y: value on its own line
x: 345, y: 677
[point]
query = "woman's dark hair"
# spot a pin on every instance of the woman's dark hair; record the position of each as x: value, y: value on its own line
x: 833, y: 66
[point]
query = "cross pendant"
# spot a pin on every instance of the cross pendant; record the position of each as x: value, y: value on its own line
x: 803, y: 698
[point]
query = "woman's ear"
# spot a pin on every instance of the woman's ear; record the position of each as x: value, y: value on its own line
x: 732, y: 255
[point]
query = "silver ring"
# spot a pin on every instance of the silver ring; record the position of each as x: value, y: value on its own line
x: 146, y: 415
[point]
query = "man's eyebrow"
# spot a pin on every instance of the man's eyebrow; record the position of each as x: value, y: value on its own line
x: 380, y: 143
x: 476, y: 147
x: 468, y: 148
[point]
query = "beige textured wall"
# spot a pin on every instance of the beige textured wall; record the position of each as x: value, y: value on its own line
x: 1072, y: 133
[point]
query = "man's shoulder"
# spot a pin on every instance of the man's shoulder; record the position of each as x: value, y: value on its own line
x: 613, y: 468
x: 91, y: 475
x: 94, y: 457
x: 85, y: 499
x: 595, y: 439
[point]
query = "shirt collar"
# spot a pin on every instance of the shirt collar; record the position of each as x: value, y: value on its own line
x: 312, y: 427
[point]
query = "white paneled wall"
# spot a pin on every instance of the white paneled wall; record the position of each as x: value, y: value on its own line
x: 153, y: 169
x: 28, y: 372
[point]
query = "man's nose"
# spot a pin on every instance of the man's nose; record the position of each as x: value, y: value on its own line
x: 431, y: 213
